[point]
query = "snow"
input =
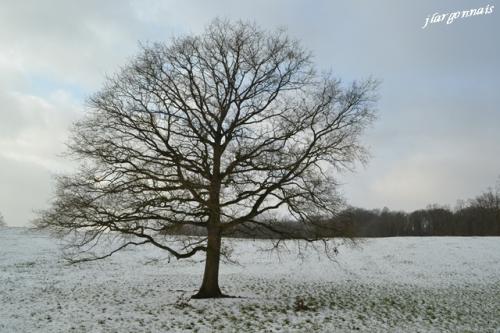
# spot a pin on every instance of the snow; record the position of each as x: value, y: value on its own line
x: 411, y: 284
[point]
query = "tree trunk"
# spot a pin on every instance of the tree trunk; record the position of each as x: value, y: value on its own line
x: 210, y: 285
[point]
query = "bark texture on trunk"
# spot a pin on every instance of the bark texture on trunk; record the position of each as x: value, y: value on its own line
x: 210, y: 285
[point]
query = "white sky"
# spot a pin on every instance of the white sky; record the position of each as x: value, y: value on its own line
x: 436, y: 139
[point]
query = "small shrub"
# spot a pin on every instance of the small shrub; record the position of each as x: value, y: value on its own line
x: 300, y: 305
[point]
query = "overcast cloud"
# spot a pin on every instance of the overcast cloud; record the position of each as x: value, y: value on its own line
x: 436, y: 139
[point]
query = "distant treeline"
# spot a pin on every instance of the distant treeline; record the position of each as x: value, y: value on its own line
x: 476, y: 217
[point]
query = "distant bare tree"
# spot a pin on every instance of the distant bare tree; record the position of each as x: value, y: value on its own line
x: 217, y: 131
x: 484, y: 212
x: 487, y: 200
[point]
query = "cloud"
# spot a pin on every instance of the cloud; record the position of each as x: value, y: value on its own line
x: 71, y: 42
x: 34, y: 129
x: 422, y: 179
x: 25, y: 187
x: 446, y: 170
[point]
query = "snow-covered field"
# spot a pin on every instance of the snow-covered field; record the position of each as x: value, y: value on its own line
x: 432, y: 284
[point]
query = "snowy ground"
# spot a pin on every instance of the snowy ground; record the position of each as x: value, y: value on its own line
x: 432, y: 284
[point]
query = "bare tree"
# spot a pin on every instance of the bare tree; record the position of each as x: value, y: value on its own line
x: 2, y: 221
x: 217, y: 131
